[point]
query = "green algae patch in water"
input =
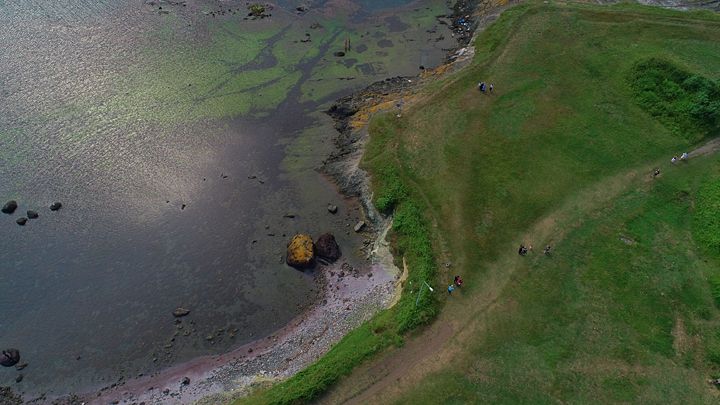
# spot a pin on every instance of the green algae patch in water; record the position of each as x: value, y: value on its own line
x: 232, y: 73
x: 389, y: 46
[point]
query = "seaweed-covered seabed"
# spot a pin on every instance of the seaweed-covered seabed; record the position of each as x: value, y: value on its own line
x: 183, y: 141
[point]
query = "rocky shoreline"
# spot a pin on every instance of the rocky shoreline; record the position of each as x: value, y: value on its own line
x: 351, y: 296
x: 351, y: 113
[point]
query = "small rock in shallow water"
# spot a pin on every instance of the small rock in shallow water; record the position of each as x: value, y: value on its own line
x: 180, y: 312
x: 10, y: 207
x: 21, y: 221
x: 21, y: 366
x: 32, y: 214
x: 19, y: 378
x: 333, y: 209
x: 55, y: 206
x: 185, y: 381
x: 9, y: 357
x: 339, y: 54
x: 359, y: 226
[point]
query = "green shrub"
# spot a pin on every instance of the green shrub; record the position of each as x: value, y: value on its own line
x: 392, y: 192
x: 706, y: 227
x: 687, y: 104
x: 413, y: 242
x: 714, y: 280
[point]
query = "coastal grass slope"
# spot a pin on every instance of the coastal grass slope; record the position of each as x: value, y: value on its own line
x: 588, y: 100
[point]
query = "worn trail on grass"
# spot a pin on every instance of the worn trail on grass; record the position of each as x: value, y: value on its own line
x: 465, y: 315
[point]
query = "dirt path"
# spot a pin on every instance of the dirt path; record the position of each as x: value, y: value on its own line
x: 465, y: 315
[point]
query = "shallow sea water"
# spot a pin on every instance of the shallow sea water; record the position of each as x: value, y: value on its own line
x: 166, y: 134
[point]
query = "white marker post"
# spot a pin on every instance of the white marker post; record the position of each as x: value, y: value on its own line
x: 420, y: 292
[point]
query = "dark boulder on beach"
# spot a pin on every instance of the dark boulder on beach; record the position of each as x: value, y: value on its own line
x: 180, y: 312
x: 55, y: 206
x: 21, y: 221
x: 301, y: 252
x: 327, y: 248
x: 32, y: 214
x: 9, y: 207
x: 9, y: 357
x: 185, y: 381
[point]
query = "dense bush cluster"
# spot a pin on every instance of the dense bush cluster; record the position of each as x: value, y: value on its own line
x: 687, y: 104
x: 706, y: 227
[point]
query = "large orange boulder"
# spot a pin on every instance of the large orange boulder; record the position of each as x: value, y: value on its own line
x: 301, y: 252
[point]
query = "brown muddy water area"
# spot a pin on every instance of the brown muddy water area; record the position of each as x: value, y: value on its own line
x: 182, y: 139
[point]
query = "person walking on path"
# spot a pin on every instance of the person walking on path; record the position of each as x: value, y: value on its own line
x: 458, y: 281
x: 522, y: 251
x: 451, y: 288
x: 492, y: 86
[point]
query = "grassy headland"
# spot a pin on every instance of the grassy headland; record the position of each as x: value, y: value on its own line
x: 587, y: 101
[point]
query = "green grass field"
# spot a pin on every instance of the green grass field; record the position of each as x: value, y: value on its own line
x: 623, y: 311
x: 588, y: 100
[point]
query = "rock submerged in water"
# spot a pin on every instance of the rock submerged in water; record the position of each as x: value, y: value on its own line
x: 333, y: 209
x: 9, y: 357
x: 32, y: 214
x: 327, y: 248
x: 9, y: 207
x: 21, y: 221
x: 55, y: 206
x: 180, y: 312
x: 301, y: 252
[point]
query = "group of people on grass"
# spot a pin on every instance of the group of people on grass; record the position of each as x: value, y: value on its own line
x: 675, y: 159
x: 524, y: 250
x: 483, y: 87
x: 684, y: 156
x: 457, y: 283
